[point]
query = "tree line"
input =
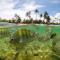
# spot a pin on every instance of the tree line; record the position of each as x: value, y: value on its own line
x: 31, y: 20
x: 18, y: 19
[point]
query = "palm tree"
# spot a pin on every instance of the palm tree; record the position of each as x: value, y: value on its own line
x: 46, y: 16
x: 18, y: 18
x: 37, y: 12
x: 28, y: 14
x: 41, y: 15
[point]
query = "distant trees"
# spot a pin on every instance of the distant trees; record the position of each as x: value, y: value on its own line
x: 28, y: 14
x: 36, y: 21
x: 41, y: 15
x: 9, y: 21
x: 3, y: 20
x: 46, y: 16
x: 12, y: 20
x: 18, y: 18
x: 37, y: 12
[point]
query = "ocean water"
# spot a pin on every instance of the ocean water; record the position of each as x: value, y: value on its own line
x: 34, y: 50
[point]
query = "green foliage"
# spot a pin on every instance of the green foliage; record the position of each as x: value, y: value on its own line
x: 47, y: 17
x: 3, y: 20
x: 18, y: 18
x: 10, y: 21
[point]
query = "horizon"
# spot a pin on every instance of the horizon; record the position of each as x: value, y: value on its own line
x: 8, y: 8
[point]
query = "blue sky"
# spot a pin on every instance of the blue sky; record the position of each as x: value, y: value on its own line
x: 52, y: 6
x: 10, y: 7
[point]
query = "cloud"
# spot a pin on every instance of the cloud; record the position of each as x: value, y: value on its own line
x: 31, y: 6
x: 55, y: 18
x: 55, y: 1
x: 57, y: 15
x: 8, y: 7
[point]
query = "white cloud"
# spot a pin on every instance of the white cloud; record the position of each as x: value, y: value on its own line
x: 7, y: 11
x: 6, y: 8
x: 31, y: 6
x: 57, y: 15
x: 55, y: 1
x: 55, y: 18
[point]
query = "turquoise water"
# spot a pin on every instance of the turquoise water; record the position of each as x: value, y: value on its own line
x: 36, y: 50
x: 41, y: 29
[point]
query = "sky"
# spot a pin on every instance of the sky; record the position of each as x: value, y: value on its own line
x: 8, y: 8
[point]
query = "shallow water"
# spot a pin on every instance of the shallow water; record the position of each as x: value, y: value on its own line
x: 6, y: 24
x: 34, y: 50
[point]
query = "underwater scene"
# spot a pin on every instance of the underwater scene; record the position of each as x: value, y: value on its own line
x: 38, y: 42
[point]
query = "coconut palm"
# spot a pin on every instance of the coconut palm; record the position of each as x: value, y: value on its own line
x: 46, y: 16
x: 41, y: 15
x: 37, y: 12
x: 28, y: 14
x: 18, y: 18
